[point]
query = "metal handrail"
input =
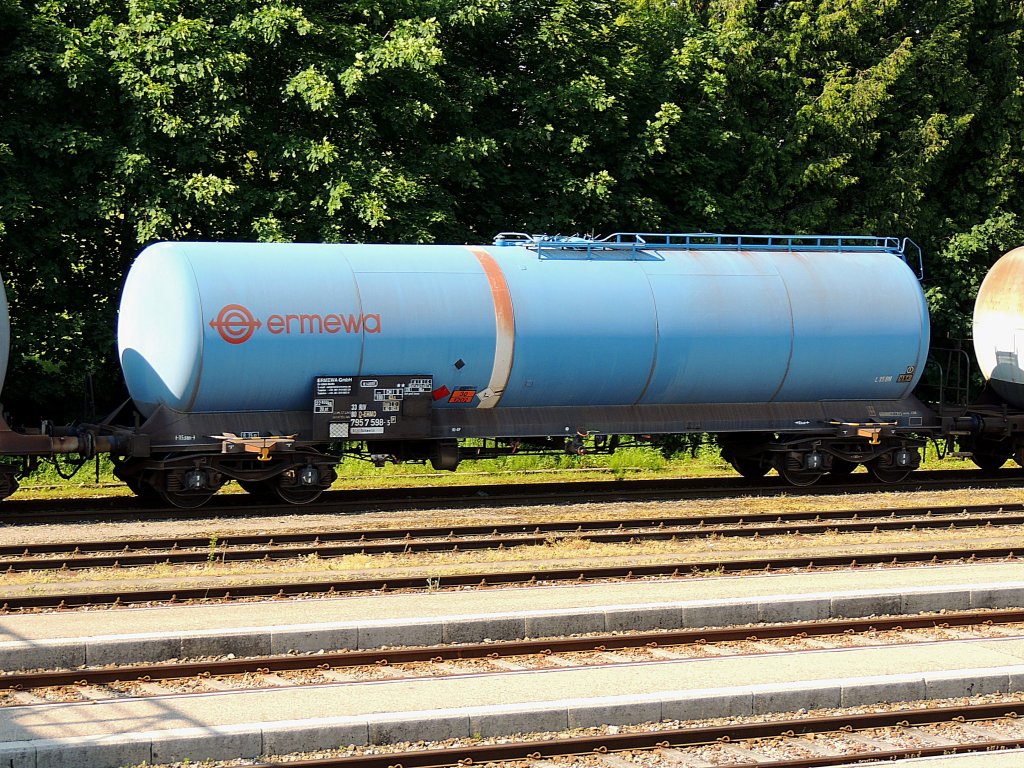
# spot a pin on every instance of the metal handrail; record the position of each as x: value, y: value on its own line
x: 636, y: 244
x: 714, y: 241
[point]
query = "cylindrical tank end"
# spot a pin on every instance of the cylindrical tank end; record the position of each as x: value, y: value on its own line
x: 999, y: 327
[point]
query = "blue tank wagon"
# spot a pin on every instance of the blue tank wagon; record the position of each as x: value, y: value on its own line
x: 263, y: 362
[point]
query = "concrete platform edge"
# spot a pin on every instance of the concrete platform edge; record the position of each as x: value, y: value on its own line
x: 279, y: 737
x: 74, y: 652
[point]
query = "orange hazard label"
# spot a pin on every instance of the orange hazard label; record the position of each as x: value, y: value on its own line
x: 462, y: 396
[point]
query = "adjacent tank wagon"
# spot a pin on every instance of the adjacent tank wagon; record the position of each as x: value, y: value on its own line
x: 21, y: 452
x: 989, y: 428
x: 259, y: 362
x: 999, y: 327
x: 5, y: 334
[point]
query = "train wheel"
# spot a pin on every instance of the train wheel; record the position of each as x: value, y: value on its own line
x: 746, y: 453
x: 988, y: 462
x: 988, y: 454
x: 752, y: 468
x: 186, y: 488
x: 887, y: 473
x: 255, y: 488
x: 142, y: 489
x: 800, y: 477
x: 273, y: 490
x: 842, y: 467
x: 185, y: 499
x: 8, y: 484
x: 298, y: 496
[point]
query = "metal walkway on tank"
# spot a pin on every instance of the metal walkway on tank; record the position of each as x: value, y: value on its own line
x: 637, y: 245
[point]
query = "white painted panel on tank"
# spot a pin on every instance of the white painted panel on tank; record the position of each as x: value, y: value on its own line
x: 1007, y: 352
x: 995, y: 345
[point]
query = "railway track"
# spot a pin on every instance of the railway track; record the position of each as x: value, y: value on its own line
x: 957, y: 729
x: 37, y: 511
x: 235, y: 674
x: 939, y: 728
x: 157, y: 688
x: 232, y: 548
x: 490, y: 579
x: 543, y: 647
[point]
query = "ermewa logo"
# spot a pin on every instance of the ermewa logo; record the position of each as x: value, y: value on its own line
x: 236, y: 324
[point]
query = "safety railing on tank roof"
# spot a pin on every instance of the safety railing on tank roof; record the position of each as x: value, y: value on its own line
x: 639, y: 246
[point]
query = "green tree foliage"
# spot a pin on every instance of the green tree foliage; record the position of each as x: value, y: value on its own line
x: 449, y: 120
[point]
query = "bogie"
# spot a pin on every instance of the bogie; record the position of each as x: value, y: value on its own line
x: 190, y: 480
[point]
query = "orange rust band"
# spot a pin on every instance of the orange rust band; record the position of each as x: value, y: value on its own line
x: 505, y: 329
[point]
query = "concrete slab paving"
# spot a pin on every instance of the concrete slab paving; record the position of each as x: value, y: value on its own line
x: 71, y: 639
x: 230, y: 724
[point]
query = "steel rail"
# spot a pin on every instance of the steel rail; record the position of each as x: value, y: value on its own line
x: 431, y: 582
x: 230, y: 549
x: 524, y: 494
x: 690, y: 737
x: 542, y: 646
x: 567, y: 526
